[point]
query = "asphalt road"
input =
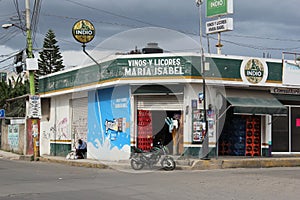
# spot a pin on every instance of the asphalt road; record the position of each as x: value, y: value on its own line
x: 45, y: 181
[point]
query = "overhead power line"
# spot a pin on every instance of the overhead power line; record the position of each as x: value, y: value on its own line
x: 111, y: 13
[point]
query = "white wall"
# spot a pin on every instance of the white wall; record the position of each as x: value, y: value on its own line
x: 191, y: 92
x: 58, y: 124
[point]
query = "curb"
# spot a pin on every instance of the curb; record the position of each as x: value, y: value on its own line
x: 222, y: 163
x: 261, y: 163
x: 75, y: 163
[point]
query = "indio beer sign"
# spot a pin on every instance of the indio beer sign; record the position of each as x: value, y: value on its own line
x: 254, y: 71
x: 218, y: 7
x: 83, y: 31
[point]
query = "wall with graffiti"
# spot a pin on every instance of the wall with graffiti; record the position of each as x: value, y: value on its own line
x: 56, y: 129
x: 108, y: 124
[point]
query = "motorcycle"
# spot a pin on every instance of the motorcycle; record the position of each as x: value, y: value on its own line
x: 140, y: 158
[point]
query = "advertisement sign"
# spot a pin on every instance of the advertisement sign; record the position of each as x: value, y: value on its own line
x: 291, y: 74
x: 109, y: 130
x: 33, y: 128
x: 254, y: 71
x: 13, y: 136
x: 83, y: 31
x: 218, y: 7
x: 198, y: 126
x: 34, y: 106
x: 220, y: 25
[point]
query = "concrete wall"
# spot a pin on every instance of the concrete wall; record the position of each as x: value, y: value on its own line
x: 13, y: 142
x: 57, y: 125
x: 191, y: 92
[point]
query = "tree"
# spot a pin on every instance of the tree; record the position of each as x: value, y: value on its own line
x: 50, y: 58
x: 12, y: 89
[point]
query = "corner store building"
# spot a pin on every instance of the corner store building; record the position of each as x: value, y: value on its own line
x: 127, y: 100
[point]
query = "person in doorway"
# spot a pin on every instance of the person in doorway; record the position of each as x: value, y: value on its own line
x: 81, y: 149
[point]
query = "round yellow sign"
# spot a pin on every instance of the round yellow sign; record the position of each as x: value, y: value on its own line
x: 83, y: 31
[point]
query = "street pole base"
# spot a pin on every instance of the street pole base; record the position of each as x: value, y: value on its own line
x: 205, y: 158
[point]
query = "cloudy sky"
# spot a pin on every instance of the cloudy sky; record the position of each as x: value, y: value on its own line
x: 261, y: 27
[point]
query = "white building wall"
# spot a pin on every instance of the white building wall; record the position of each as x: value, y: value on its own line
x: 192, y: 93
x: 57, y: 125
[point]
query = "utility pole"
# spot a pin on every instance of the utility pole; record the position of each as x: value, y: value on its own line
x: 29, y: 46
x: 205, y: 144
x: 34, y: 122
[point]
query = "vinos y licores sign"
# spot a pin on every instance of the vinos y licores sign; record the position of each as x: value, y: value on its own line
x: 218, y: 7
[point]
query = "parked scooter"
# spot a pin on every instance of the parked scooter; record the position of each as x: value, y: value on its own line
x: 140, y: 158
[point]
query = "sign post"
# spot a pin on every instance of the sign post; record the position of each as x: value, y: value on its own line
x: 2, y: 113
x: 84, y: 31
x: 218, y: 8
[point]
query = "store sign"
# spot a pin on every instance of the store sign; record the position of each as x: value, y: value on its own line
x: 220, y: 25
x: 154, y: 67
x: 254, y: 71
x: 291, y: 74
x: 291, y: 91
x: 218, y: 7
x: 34, y: 106
x: 83, y: 31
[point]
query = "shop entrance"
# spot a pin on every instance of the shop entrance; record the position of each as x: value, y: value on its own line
x: 154, y: 127
x: 241, y: 136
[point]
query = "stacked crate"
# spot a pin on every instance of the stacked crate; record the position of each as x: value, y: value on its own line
x: 224, y: 147
x: 238, y: 137
x: 144, y: 134
x: 253, y: 136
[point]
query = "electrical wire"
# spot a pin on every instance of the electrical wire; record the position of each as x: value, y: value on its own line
x: 16, y: 3
x: 11, y: 56
x: 35, y: 18
x: 111, y: 13
x: 94, y: 21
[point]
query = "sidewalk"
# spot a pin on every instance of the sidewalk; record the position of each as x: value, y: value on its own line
x: 185, y: 164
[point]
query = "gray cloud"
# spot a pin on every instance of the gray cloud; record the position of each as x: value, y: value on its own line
x: 267, y: 19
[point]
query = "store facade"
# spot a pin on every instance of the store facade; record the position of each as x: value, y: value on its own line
x: 138, y: 100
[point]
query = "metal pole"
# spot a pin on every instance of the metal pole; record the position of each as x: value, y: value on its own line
x: 219, y: 45
x: 83, y: 49
x: 205, y: 144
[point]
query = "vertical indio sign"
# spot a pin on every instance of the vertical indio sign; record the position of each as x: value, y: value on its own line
x: 218, y: 7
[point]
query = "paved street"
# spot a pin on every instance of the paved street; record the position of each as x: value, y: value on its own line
x: 39, y: 180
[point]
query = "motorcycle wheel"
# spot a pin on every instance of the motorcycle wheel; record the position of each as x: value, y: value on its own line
x: 136, y: 165
x: 168, y: 163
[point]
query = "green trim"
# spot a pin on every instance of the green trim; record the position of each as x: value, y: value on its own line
x: 174, y: 67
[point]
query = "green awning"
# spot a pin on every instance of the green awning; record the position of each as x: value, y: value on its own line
x: 254, y: 102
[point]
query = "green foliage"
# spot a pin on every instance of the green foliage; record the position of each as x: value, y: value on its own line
x: 50, y: 59
x: 12, y: 89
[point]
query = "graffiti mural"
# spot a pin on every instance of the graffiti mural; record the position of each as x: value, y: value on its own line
x: 108, y: 124
x: 79, y: 128
x: 59, y: 131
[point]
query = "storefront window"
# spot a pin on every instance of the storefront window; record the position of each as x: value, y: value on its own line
x: 280, y: 133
